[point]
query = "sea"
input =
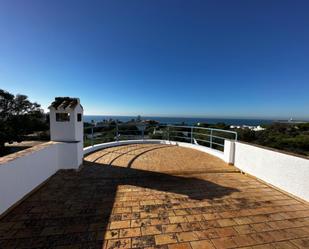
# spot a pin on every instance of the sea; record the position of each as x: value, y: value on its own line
x: 181, y: 120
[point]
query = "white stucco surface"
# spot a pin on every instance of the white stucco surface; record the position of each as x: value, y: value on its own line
x: 229, y: 151
x: 21, y: 175
x: 70, y: 155
x: 69, y: 130
x: 287, y: 172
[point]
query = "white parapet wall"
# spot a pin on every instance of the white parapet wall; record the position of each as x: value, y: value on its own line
x: 227, y: 155
x: 284, y: 171
x: 22, y: 172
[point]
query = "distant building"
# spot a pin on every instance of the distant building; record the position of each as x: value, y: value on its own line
x: 250, y: 127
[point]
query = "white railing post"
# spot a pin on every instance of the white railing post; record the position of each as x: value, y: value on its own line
x: 210, y: 138
x: 229, y: 151
x: 92, y: 143
x: 168, y: 133
x: 191, y: 134
x: 117, y: 132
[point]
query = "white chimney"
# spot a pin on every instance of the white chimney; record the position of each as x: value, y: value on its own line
x: 66, y: 120
x: 67, y: 126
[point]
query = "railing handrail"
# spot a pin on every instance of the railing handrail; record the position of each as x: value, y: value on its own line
x: 166, y: 125
x: 191, y: 134
x: 203, y: 128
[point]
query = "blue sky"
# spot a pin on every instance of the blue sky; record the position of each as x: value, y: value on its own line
x: 158, y: 57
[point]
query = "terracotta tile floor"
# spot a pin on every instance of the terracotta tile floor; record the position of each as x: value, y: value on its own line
x: 154, y: 196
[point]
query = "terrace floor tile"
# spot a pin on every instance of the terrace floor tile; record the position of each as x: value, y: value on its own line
x: 155, y: 196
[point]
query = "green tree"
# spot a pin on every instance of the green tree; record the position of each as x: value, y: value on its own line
x: 18, y: 116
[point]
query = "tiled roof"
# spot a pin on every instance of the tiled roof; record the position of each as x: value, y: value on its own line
x: 64, y: 102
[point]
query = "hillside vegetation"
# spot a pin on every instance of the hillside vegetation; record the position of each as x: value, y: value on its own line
x: 289, y: 137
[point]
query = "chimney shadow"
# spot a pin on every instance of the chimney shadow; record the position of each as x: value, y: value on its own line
x: 191, y: 187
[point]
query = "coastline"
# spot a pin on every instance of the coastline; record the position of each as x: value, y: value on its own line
x: 179, y: 120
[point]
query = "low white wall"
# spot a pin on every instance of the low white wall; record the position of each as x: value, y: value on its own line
x: 225, y: 156
x: 23, y: 171
x: 96, y: 147
x: 70, y: 155
x: 287, y: 172
x: 21, y: 175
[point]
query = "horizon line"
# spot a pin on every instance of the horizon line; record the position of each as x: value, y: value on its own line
x: 204, y: 117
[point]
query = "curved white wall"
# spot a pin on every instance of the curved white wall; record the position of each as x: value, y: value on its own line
x: 226, y: 156
x: 20, y: 175
x: 287, y: 172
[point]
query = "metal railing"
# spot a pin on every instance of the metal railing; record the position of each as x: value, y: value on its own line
x: 209, y: 137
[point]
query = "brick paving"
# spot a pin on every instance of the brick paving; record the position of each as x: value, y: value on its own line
x: 154, y: 196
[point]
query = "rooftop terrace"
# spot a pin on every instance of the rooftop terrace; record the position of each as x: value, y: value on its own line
x: 155, y: 196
